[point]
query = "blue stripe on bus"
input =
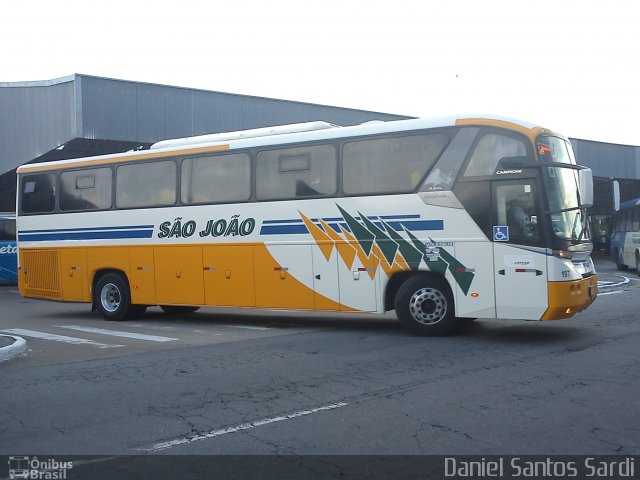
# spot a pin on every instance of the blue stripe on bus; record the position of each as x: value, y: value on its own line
x: 418, y: 225
x: 398, y: 225
x: 283, y: 229
x: 87, y: 235
x: 55, y: 230
x: 298, y: 220
x: 336, y: 227
x: 340, y: 219
x: 398, y: 217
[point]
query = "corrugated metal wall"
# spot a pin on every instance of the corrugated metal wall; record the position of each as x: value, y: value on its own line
x: 119, y: 110
x: 35, y: 117
x: 607, y: 159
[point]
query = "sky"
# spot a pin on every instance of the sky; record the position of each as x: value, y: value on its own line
x: 571, y: 66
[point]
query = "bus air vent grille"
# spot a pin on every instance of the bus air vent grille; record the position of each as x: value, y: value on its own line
x: 43, y: 274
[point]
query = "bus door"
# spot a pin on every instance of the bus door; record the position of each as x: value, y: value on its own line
x: 326, y: 285
x: 520, y: 267
x: 359, y: 283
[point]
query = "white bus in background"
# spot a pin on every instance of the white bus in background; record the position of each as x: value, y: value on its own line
x: 625, y: 236
x: 439, y: 219
x: 8, y: 249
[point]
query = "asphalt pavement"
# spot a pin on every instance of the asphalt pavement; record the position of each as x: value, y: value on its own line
x: 609, y: 279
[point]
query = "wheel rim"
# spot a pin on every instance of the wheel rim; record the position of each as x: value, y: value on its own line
x: 110, y: 297
x: 428, y: 306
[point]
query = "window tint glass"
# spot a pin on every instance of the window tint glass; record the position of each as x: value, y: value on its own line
x: 8, y: 230
x: 389, y: 165
x: 296, y: 172
x: 85, y: 189
x: 490, y: 150
x: 515, y: 207
x: 445, y: 172
x: 146, y: 184
x: 554, y: 149
x: 38, y: 193
x: 223, y: 178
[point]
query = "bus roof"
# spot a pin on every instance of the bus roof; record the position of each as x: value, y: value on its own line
x: 283, y: 134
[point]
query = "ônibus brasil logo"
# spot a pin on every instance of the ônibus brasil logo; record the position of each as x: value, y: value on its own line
x: 23, y: 467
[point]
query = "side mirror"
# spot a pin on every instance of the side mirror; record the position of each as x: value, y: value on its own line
x: 585, y: 186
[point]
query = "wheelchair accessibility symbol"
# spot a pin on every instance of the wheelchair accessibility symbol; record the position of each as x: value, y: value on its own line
x: 500, y: 233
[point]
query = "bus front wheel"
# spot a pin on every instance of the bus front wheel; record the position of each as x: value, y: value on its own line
x: 424, y: 305
x: 112, y: 298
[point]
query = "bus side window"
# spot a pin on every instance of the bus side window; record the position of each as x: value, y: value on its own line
x: 490, y: 149
x: 389, y: 165
x: 85, y: 189
x: 38, y: 193
x: 216, y: 178
x: 297, y: 172
x: 149, y: 184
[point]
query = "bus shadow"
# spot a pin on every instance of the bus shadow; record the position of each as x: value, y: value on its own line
x: 279, y: 319
x: 519, y: 332
x: 490, y: 331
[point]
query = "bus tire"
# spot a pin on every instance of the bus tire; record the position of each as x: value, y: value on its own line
x: 620, y: 262
x: 424, y: 305
x: 111, y: 297
x: 177, y: 310
x: 637, y: 263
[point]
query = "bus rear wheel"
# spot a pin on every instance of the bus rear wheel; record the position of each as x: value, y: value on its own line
x: 112, y: 298
x: 177, y: 310
x: 424, y: 305
x: 620, y: 262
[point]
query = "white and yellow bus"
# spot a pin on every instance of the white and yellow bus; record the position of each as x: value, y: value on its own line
x: 439, y: 219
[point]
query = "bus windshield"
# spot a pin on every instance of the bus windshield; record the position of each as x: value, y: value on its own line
x: 555, y: 149
x: 568, y: 219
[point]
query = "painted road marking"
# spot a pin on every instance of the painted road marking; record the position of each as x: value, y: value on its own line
x: 58, y: 338
x: 153, y: 327
x: 117, y: 333
x: 243, y: 426
x: 246, y: 327
x: 602, y: 294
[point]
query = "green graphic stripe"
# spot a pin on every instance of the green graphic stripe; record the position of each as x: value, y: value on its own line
x: 364, y: 237
x: 388, y: 247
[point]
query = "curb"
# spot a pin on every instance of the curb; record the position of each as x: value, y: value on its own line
x: 18, y: 347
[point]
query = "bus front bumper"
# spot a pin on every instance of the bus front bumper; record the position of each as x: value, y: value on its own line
x: 568, y: 298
